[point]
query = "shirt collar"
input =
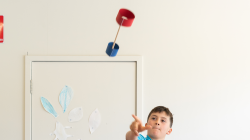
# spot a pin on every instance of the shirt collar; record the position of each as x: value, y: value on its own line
x: 148, y: 138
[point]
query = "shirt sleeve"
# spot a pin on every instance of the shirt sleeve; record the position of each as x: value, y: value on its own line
x: 140, y: 137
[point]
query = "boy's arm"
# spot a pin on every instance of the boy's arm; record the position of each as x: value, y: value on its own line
x: 135, y: 128
x: 131, y: 136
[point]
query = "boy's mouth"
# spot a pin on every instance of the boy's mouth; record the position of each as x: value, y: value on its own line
x: 155, y: 128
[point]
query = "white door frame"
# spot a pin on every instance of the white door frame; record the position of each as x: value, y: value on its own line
x: 28, y: 78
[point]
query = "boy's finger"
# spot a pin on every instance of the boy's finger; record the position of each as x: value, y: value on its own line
x: 136, y: 132
x: 147, y: 127
x: 136, y: 118
x: 134, y: 126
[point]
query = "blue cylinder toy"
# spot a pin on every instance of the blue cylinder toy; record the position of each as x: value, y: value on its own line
x: 112, y: 52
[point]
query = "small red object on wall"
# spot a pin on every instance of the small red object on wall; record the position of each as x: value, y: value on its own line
x: 1, y: 29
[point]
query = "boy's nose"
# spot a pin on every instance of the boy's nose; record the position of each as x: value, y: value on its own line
x: 157, y: 122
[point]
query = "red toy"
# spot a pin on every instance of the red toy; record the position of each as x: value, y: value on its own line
x: 124, y: 18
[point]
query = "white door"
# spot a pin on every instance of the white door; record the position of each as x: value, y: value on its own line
x: 108, y: 86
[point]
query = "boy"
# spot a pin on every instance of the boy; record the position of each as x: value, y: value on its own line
x: 159, y: 123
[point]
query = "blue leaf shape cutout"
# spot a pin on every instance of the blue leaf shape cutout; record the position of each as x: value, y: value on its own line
x: 65, y: 97
x: 48, y: 107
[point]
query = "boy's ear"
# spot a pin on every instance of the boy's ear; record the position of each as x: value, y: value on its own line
x: 169, y: 131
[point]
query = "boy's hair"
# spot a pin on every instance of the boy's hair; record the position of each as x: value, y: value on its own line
x: 162, y: 109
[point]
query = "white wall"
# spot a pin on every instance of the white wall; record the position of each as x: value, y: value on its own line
x: 196, y: 56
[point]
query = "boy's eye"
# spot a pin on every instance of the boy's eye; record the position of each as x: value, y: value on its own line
x: 153, y: 118
x: 163, y: 120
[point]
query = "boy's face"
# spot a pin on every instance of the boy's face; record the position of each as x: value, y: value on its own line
x: 160, y: 123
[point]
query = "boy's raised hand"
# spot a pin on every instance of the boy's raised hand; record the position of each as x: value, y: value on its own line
x: 137, y: 126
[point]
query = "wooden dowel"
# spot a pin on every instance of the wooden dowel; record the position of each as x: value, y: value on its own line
x: 118, y: 31
x: 116, y: 37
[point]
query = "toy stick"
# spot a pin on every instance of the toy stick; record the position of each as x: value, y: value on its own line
x: 118, y: 31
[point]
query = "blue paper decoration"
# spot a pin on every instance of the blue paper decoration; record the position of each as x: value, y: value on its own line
x: 48, y: 107
x: 65, y: 97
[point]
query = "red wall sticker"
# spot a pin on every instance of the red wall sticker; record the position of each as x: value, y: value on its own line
x: 1, y: 29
